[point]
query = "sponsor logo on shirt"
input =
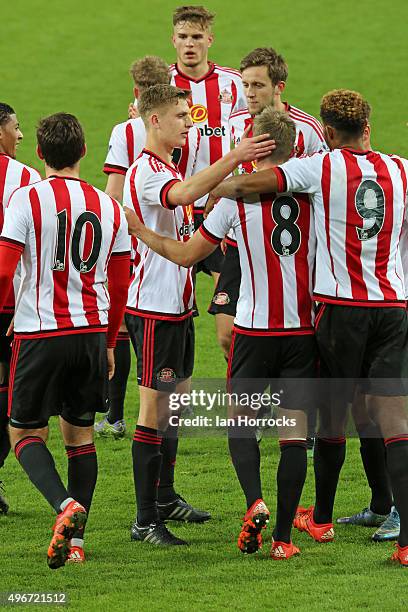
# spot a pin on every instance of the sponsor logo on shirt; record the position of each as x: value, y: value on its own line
x: 198, y: 113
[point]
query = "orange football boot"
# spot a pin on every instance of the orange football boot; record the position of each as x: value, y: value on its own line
x: 282, y: 550
x: 256, y: 519
x: 401, y: 555
x: 303, y: 521
x: 76, y: 555
x: 73, y: 518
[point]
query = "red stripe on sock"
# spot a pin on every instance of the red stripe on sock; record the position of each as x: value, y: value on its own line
x: 403, y: 438
x: 122, y: 336
x: 24, y: 442
x: 86, y: 449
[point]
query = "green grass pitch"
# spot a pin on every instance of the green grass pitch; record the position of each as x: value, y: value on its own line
x: 74, y: 56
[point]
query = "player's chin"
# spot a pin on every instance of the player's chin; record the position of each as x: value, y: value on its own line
x: 182, y: 140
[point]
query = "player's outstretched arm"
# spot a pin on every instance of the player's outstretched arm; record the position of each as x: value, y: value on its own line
x: 264, y: 181
x: 182, y: 253
x: 114, y: 186
x: 118, y: 284
x: 249, y: 149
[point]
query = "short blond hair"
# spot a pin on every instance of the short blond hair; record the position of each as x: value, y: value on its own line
x: 158, y: 96
x: 345, y: 110
x: 150, y: 70
x: 194, y: 14
x: 280, y: 128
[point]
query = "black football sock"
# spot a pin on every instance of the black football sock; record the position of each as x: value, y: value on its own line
x: 329, y: 455
x: 246, y: 458
x: 4, y: 436
x: 397, y: 463
x: 166, y: 492
x: 117, y: 385
x: 38, y: 463
x: 290, y: 478
x: 146, y: 471
x: 82, y: 475
x: 373, y: 455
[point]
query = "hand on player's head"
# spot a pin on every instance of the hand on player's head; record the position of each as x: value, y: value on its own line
x: 257, y: 147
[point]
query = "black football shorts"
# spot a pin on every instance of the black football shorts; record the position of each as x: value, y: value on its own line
x: 287, y: 363
x: 164, y: 351
x: 61, y: 375
x: 226, y: 293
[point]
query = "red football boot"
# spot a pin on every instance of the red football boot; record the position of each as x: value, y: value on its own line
x: 304, y: 522
x: 72, y: 519
x: 256, y: 519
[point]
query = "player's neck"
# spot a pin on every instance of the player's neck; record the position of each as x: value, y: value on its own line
x: 70, y: 172
x: 266, y: 164
x: 194, y: 72
x: 159, y: 148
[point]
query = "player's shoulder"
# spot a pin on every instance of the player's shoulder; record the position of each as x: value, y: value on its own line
x: 135, y: 125
x: 300, y: 116
x: 150, y: 164
x: 18, y: 168
x: 229, y: 72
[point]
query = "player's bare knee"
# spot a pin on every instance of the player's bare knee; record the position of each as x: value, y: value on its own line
x: 16, y: 434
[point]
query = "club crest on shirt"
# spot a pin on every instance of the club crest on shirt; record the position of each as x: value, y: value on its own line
x: 221, y: 299
x: 166, y: 375
x: 225, y: 97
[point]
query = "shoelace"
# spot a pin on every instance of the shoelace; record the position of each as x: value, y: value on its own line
x: 2, y: 486
x: 392, y: 521
x: 162, y: 530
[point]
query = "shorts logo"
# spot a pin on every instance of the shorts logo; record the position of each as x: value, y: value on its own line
x: 166, y: 375
x: 198, y: 113
x: 221, y: 299
x: 226, y: 97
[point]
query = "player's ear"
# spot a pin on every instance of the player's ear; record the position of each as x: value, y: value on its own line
x: 280, y: 87
x: 136, y: 92
x: 39, y: 152
x: 154, y: 121
x: 173, y: 40
x: 83, y: 151
x: 210, y: 39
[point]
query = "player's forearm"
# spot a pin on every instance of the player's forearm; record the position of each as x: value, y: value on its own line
x: 10, y: 254
x: 114, y: 186
x: 118, y: 285
x: 203, y: 182
x: 173, y: 250
x: 246, y: 184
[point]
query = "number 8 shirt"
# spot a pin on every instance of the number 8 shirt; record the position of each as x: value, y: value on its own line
x: 69, y: 230
x: 276, y: 243
x: 358, y: 199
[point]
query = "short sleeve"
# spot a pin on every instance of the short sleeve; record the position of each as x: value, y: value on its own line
x: 117, y: 159
x: 122, y: 242
x: 301, y: 174
x: 221, y: 219
x: 156, y: 186
x: 17, y: 217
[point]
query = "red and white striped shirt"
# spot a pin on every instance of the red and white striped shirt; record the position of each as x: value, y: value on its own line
x: 358, y: 199
x: 159, y: 289
x: 128, y: 139
x: 309, y: 139
x: 68, y: 230
x: 276, y: 243
x: 214, y: 97
x: 13, y: 174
